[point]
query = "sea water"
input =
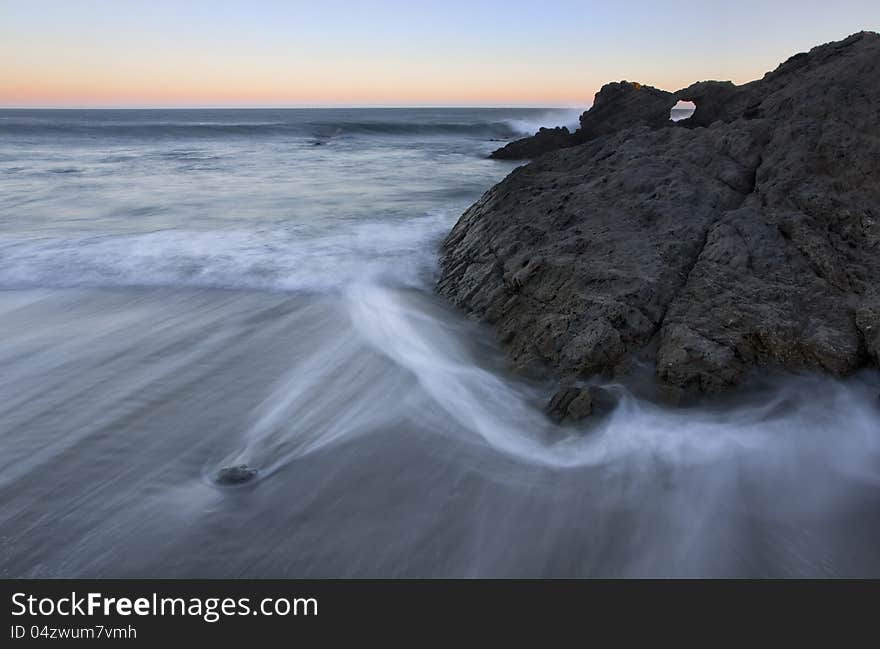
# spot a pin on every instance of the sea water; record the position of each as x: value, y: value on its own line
x: 186, y: 290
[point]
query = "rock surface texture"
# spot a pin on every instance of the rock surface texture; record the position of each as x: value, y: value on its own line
x: 544, y: 141
x: 231, y: 475
x: 617, y: 106
x: 570, y: 404
x: 747, y: 235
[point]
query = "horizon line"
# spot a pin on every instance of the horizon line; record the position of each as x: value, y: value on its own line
x: 286, y: 106
x: 323, y: 107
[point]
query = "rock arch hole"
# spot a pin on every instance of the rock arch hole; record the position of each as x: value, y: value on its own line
x: 682, y: 110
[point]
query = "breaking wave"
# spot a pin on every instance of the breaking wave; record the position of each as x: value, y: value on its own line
x: 501, y: 124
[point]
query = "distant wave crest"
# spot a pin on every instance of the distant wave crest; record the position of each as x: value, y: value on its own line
x: 321, y: 129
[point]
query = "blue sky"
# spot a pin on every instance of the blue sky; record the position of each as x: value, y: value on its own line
x: 358, y: 52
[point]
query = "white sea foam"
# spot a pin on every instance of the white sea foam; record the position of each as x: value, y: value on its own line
x: 340, y: 391
x: 280, y: 258
x: 560, y: 117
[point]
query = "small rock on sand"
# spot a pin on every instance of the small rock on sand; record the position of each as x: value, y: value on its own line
x: 230, y: 475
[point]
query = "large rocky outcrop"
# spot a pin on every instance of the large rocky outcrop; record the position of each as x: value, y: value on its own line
x: 751, y: 238
x: 617, y: 106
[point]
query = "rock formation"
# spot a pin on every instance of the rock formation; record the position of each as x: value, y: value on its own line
x: 544, y: 141
x: 617, y: 106
x: 231, y: 475
x: 570, y: 404
x: 747, y: 235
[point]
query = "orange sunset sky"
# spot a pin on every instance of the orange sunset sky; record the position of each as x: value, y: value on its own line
x: 185, y: 53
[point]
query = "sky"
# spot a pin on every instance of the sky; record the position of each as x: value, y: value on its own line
x: 188, y: 53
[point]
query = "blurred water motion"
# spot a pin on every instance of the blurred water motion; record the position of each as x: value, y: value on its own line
x: 177, y: 301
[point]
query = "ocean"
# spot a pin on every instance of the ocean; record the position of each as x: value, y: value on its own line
x: 187, y: 290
